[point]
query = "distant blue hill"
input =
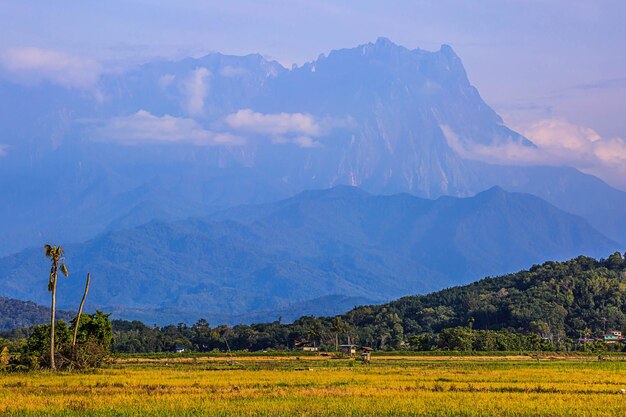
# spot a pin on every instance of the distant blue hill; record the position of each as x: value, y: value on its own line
x: 340, y: 247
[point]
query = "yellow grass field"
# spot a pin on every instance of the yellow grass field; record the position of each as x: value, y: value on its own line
x: 392, y: 386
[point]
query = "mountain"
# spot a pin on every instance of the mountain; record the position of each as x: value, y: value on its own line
x: 170, y: 140
x: 16, y: 314
x: 257, y: 262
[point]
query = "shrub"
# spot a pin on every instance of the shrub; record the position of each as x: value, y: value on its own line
x: 92, y: 347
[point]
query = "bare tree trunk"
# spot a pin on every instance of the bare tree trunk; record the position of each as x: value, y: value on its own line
x: 336, y: 341
x: 52, y: 312
x: 80, y: 311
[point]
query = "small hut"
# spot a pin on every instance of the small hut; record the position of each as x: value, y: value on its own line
x: 349, y: 350
x: 366, y: 353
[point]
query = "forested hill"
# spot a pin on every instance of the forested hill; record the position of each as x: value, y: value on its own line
x: 16, y: 313
x: 552, y: 299
x: 555, y: 300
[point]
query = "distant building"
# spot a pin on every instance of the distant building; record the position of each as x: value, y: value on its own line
x: 349, y: 350
x: 612, y: 337
x: 310, y: 348
x: 180, y: 350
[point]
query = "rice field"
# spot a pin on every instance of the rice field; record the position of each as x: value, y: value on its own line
x: 314, y: 386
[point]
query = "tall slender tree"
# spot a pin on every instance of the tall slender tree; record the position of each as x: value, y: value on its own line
x: 80, y: 311
x: 57, y: 259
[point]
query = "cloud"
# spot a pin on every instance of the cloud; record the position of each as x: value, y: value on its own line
x: 143, y: 128
x: 195, y: 89
x: 296, y: 128
x: 306, y: 142
x: 274, y: 124
x: 558, y: 143
x: 3, y: 149
x: 578, y: 145
x: 34, y: 65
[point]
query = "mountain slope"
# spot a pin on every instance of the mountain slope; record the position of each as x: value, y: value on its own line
x: 342, y: 241
x: 373, y: 116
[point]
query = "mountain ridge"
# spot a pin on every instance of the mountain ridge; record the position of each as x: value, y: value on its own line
x: 341, y: 241
x: 371, y: 116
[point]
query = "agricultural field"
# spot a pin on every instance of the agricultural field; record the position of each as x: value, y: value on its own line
x: 307, y: 385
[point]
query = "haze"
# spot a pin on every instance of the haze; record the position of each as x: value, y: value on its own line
x: 549, y: 68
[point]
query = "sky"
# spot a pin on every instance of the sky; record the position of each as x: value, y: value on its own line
x: 541, y: 64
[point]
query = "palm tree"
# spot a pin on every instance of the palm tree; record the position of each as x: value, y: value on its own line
x: 337, y: 326
x: 313, y: 334
x: 55, y: 253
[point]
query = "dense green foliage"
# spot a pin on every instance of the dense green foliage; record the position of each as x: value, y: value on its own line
x: 92, y: 348
x: 579, y: 297
x: 544, y: 308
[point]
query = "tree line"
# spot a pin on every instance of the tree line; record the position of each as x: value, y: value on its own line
x: 548, y: 307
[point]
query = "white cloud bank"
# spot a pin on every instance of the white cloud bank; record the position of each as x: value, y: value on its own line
x: 559, y: 143
x: 297, y: 128
x: 576, y: 143
x: 34, y: 65
x: 274, y: 124
x: 145, y: 128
